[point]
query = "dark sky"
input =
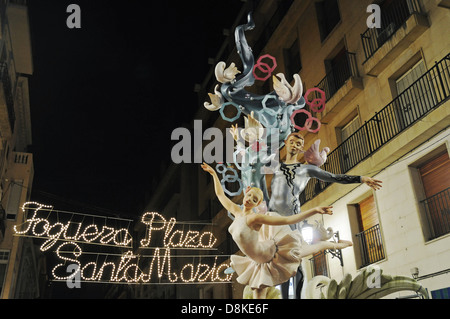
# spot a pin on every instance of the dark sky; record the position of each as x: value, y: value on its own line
x: 105, y: 98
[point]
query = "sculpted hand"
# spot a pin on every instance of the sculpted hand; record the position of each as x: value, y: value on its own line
x: 234, y: 132
x: 373, y: 183
x: 208, y: 168
x: 324, y: 210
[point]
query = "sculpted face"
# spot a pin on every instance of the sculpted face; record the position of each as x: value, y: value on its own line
x: 252, y: 198
x: 294, y: 145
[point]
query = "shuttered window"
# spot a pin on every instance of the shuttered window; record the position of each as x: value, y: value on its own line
x: 435, y: 175
x: 370, y: 240
x: 412, y: 102
x: 367, y: 213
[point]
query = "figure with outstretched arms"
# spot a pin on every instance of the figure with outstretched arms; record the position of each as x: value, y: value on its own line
x: 271, y: 256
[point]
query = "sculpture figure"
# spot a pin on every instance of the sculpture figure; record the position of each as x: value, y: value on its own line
x: 272, y: 254
x: 268, y: 128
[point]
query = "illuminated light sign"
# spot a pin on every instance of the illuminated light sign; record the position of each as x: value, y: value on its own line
x: 131, y: 268
x: 69, y: 237
x: 177, y: 238
x: 69, y: 231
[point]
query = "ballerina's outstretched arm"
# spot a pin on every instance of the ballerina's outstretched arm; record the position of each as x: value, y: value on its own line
x: 258, y: 219
x: 224, y: 200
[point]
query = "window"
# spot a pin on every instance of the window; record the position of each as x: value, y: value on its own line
x: 327, y: 16
x: 410, y: 76
x: 292, y: 60
x: 409, y: 103
x: 339, y: 67
x: 350, y: 128
x: 319, y: 264
x: 4, y: 257
x: 435, y: 177
x: 15, y: 192
x: 352, y: 146
x: 369, y: 237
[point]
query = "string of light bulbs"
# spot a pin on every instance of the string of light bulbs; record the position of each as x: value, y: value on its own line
x: 127, y: 267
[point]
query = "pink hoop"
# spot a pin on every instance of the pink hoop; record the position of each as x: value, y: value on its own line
x: 308, y: 123
x: 304, y: 128
x: 317, y: 104
x: 259, y: 67
x: 264, y: 67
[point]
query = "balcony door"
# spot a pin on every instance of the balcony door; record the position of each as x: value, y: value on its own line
x: 338, y: 71
x: 435, y: 175
x: 410, y: 103
x: 370, y: 241
x: 352, y: 146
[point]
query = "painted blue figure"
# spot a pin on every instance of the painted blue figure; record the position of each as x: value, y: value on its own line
x: 290, y: 180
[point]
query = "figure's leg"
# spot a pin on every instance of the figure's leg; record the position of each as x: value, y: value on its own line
x: 324, y: 245
x: 298, y: 283
x: 285, y: 290
x: 260, y: 293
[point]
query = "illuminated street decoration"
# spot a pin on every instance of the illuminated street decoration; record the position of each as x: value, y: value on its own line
x: 177, y: 238
x: 161, y: 237
x: 41, y: 227
x: 131, y: 268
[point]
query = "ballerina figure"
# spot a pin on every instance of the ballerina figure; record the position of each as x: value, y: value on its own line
x: 272, y: 254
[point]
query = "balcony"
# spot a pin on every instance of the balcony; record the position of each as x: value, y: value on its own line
x: 426, y: 94
x: 437, y: 209
x: 2, y: 223
x: 340, y: 85
x: 7, y: 114
x: 22, y: 158
x: 402, y: 22
x: 370, y: 246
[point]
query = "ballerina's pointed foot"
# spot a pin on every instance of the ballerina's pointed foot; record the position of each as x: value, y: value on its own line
x: 344, y: 244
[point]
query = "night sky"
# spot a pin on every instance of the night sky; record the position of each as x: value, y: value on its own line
x: 105, y: 98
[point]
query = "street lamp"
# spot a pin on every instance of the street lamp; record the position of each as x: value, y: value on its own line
x: 308, y: 234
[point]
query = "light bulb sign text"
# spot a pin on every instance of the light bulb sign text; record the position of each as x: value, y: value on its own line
x: 68, y: 237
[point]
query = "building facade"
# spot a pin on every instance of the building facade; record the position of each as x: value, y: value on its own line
x: 19, y: 260
x: 387, y: 116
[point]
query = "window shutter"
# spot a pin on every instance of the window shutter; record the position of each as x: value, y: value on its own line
x: 436, y: 174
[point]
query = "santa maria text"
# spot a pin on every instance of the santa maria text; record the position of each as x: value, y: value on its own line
x: 158, y: 259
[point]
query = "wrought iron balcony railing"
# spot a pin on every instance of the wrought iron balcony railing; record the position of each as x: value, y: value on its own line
x: 370, y: 245
x: 8, y: 91
x: 392, y: 18
x: 424, y: 95
x: 345, y: 68
x: 2, y: 223
x: 437, y: 208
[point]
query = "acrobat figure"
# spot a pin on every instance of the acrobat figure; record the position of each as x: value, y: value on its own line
x: 273, y: 254
x: 290, y: 180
